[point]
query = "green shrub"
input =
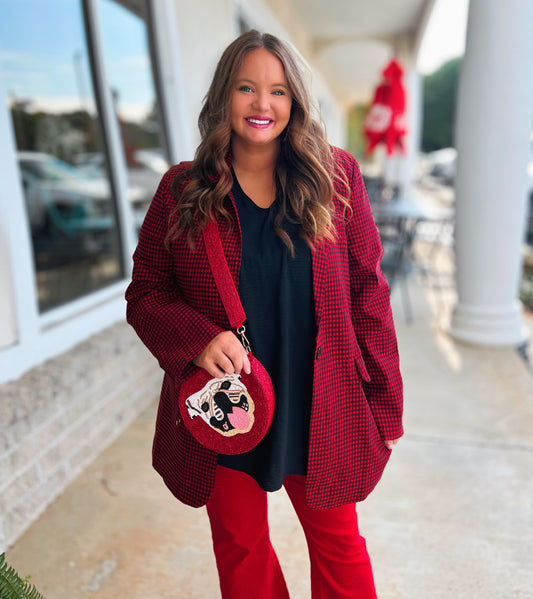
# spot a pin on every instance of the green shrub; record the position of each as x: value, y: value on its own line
x: 14, y: 587
x: 526, y: 290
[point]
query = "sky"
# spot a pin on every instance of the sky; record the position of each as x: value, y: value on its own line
x: 445, y: 35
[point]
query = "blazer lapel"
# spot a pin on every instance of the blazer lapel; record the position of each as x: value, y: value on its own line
x: 320, y: 268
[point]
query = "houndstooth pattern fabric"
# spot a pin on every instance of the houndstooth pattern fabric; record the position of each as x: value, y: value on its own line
x: 357, y: 399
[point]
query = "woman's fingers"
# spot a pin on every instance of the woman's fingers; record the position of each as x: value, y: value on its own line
x: 225, y: 363
x: 215, y: 371
x: 246, y: 364
x: 224, y: 355
x: 239, y: 358
x: 390, y: 442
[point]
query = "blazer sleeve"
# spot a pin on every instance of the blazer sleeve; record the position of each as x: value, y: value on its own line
x: 173, y: 331
x: 371, y: 312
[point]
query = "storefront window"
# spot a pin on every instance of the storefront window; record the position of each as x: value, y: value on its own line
x: 131, y: 78
x: 72, y: 214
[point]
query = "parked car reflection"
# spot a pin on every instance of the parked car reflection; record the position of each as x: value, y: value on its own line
x: 66, y: 196
x: 145, y: 168
x: 71, y: 215
x: 58, y: 196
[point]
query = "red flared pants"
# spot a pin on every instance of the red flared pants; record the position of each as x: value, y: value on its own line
x: 247, y: 564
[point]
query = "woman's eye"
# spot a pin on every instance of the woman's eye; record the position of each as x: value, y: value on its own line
x: 245, y: 88
x: 279, y: 92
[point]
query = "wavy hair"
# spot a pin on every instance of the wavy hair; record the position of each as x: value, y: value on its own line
x: 304, y: 172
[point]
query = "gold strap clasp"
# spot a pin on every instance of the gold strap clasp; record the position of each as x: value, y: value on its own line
x: 244, y: 340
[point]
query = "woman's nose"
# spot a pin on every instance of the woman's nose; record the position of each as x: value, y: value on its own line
x: 262, y: 100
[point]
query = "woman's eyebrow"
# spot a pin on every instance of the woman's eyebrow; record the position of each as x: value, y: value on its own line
x: 244, y: 80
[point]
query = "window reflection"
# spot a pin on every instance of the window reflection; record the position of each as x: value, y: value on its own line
x: 131, y: 78
x: 72, y: 216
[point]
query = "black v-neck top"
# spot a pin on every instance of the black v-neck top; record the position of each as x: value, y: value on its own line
x: 276, y: 291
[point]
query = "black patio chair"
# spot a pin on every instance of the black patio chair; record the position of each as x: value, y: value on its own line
x: 396, y: 264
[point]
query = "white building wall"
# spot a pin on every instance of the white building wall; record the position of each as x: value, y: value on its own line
x: 204, y: 29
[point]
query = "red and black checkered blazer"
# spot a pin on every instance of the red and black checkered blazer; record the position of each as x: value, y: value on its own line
x: 174, y: 306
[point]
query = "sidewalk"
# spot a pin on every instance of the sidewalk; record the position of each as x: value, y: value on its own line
x: 451, y: 518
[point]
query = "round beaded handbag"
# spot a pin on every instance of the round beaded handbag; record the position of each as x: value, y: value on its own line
x: 228, y: 415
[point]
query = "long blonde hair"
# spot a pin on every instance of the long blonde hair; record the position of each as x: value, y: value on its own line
x: 304, y: 172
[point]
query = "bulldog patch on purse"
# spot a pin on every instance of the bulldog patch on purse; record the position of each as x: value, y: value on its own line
x: 228, y: 415
x: 224, y: 405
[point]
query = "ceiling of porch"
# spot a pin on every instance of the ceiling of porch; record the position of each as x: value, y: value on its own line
x: 352, y: 40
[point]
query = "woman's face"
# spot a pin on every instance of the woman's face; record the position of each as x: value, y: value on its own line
x: 260, y: 101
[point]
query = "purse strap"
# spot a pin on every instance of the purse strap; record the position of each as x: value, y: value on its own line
x: 224, y: 281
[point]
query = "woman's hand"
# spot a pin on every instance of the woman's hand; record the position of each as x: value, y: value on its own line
x: 224, y: 355
x: 390, y: 442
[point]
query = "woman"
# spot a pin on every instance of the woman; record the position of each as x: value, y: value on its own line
x: 301, y: 244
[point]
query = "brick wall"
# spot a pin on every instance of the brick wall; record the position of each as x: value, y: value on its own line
x: 59, y: 416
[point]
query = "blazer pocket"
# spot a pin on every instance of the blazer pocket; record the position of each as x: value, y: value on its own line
x: 361, y: 366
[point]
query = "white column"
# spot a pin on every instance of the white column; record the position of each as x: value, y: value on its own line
x: 495, y: 109
x: 413, y: 86
x: 399, y: 168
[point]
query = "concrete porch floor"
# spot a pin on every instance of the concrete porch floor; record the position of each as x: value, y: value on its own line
x: 451, y: 518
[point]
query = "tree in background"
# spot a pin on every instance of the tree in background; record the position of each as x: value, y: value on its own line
x: 440, y: 96
x: 356, y: 141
